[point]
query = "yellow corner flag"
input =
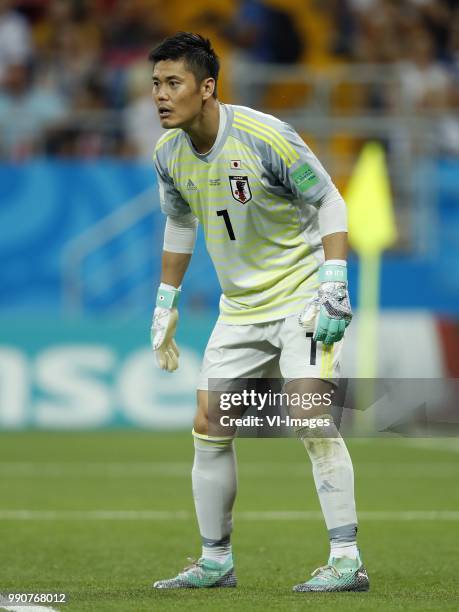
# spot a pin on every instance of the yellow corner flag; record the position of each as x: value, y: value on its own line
x: 368, y: 196
x: 371, y: 230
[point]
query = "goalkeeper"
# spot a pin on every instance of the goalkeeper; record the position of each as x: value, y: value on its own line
x: 275, y: 228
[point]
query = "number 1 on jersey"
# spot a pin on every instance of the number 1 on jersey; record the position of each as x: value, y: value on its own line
x: 224, y: 213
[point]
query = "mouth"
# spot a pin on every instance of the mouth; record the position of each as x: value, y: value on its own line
x: 164, y: 112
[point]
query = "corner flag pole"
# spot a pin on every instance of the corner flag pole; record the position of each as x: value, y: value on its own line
x: 371, y: 230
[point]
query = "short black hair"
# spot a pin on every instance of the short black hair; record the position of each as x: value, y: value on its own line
x: 195, y: 50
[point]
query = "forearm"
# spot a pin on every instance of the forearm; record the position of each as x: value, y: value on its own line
x: 335, y: 246
x: 174, y: 266
x: 179, y: 240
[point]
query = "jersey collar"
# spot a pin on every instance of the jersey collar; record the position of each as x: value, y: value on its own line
x: 224, y: 127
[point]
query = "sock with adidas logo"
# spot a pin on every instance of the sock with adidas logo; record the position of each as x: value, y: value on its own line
x: 334, y: 479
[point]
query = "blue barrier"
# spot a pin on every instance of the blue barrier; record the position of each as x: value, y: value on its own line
x: 95, y: 373
x: 45, y: 204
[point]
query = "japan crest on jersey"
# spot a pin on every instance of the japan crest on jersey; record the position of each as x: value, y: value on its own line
x: 240, y: 188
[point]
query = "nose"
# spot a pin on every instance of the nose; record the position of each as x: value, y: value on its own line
x: 160, y: 93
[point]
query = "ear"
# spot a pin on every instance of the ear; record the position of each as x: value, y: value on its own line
x: 207, y: 88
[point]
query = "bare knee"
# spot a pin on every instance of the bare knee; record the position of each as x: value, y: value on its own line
x: 201, y: 419
x: 207, y: 420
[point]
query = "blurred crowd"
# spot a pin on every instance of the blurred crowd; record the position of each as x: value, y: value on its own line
x: 74, y: 81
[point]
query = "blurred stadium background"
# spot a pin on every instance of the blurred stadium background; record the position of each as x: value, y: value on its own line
x: 80, y: 226
x: 80, y: 245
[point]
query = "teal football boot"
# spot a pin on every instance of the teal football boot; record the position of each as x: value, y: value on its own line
x: 202, y: 574
x: 341, y: 574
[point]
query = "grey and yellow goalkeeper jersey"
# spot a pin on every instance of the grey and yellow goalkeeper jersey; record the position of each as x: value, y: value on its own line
x: 255, y: 194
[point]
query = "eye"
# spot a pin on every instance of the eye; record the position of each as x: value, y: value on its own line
x: 173, y: 83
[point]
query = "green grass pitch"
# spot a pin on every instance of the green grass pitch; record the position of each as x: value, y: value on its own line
x: 108, y: 562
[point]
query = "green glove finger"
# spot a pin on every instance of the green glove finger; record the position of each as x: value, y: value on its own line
x: 322, y: 327
x: 333, y: 326
x: 332, y: 332
x: 320, y: 335
x: 335, y: 331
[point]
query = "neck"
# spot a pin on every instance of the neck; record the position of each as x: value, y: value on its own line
x: 204, y: 128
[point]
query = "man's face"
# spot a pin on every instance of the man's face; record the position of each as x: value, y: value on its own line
x: 176, y: 94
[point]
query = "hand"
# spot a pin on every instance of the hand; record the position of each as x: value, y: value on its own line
x: 330, y: 309
x: 164, y: 325
x: 162, y: 338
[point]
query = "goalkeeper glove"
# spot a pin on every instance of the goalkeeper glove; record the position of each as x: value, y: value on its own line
x: 165, y: 318
x: 330, y: 308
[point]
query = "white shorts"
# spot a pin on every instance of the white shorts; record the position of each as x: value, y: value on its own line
x: 277, y: 349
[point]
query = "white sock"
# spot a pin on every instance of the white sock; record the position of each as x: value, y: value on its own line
x: 334, y: 479
x: 344, y: 549
x: 220, y: 554
x: 214, y: 490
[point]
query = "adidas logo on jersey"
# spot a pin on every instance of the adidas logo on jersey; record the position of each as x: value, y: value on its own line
x: 191, y: 186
